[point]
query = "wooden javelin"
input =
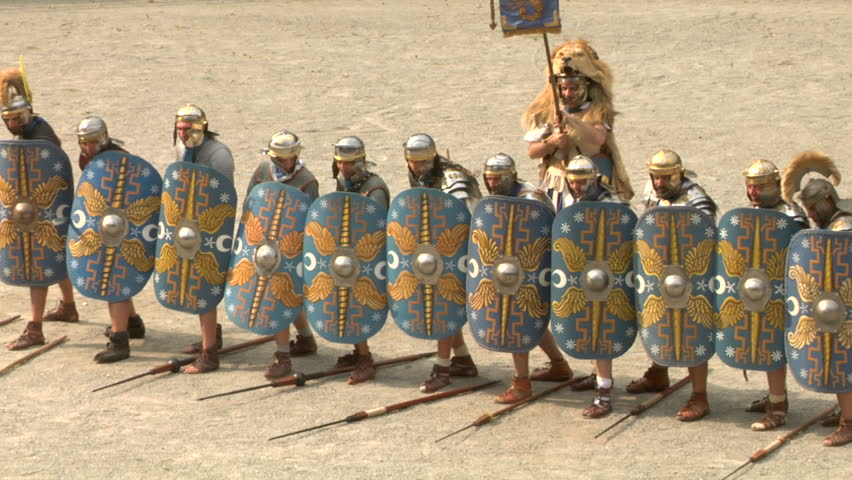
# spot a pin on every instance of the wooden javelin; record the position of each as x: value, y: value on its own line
x: 32, y: 354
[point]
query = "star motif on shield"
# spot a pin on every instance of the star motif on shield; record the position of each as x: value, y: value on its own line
x: 273, y: 324
x: 645, y: 332
x: 459, y: 313
x: 452, y: 326
x: 478, y: 222
x: 232, y: 308
x: 849, y: 378
x: 260, y: 193
x: 630, y: 331
x: 371, y: 208
x: 735, y: 220
x: 461, y: 217
x: 146, y: 172
x: 730, y: 351
x: 559, y: 328
x: 795, y: 257
x: 640, y: 234
x: 401, y: 203
x: 794, y: 354
x: 57, y: 167
x: 777, y: 356
x: 7, y: 272
x: 155, y: 189
x: 100, y: 164
x: 394, y: 215
x: 4, y: 153
x: 225, y: 198
x: 90, y: 222
x: 625, y: 219
x: 535, y: 214
x: 650, y: 286
x: 323, y: 263
x: 655, y: 349
x: 450, y: 266
x: 729, y: 287
x: 803, y: 373
x: 405, y: 324
x: 489, y: 208
x: 545, y: 230
x: 167, y: 183
x: 90, y: 175
x: 214, y: 183
x: 48, y: 272
x: 314, y: 215
x: 209, y: 242
x: 310, y: 309
x: 531, y: 277
x: 572, y: 280
x: 700, y: 350
x: 709, y: 233
x: 564, y: 227
x: 448, y: 203
x: 781, y: 223
x: 216, y: 290
x: 288, y: 314
x: 140, y: 278
x: 720, y: 335
x: 175, y: 174
x: 570, y: 344
x: 806, y: 309
x: 163, y: 295
x: 779, y: 289
x: 381, y: 224
x: 702, y: 285
x: 723, y: 233
x: 619, y: 280
x: 377, y: 317
x: 125, y: 291
x: 539, y: 323
x: 323, y: 203
x: 156, y: 278
x: 318, y: 325
x: 60, y: 258
x: 366, y: 329
x: 579, y: 217
x: 473, y: 316
x: 805, y: 243
x: 303, y: 207
x: 526, y: 340
x: 650, y: 219
x: 617, y: 347
x: 695, y: 219
x: 480, y: 333
x: 45, y: 154
x: 202, y: 303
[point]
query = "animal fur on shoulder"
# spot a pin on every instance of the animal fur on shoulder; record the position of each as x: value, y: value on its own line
x: 804, y: 163
x: 542, y: 110
x: 11, y: 85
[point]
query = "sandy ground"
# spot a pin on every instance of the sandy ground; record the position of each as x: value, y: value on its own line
x: 720, y: 82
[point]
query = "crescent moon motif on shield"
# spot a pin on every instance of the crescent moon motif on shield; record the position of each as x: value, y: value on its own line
x: 310, y: 261
x: 381, y: 270
x: 151, y: 232
x: 220, y: 243
x: 543, y: 279
x: 462, y: 264
x: 722, y: 285
x: 60, y: 215
x: 794, y: 310
x: 640, y: 284
x: 472, y: 268
x: 78, y: 219
x: 558, y: 279
x: 161, y: 231
x: 393, y: 260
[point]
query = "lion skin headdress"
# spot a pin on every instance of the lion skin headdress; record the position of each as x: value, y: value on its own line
x: 12, y: 84
x: 583, y: 58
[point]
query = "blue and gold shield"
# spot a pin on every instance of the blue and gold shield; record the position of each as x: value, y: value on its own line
x: 264, y: 291
x: 819, y: 310
x: 344, y: 267
x: 36, y: 190
x: 673, y: 261
x: 751, y: 251
x: 195, y: 238
x: 508, y: 273
x: 426, y: 260
x: 593, y: 314
x: 114, y: 223
x: 519, y: 17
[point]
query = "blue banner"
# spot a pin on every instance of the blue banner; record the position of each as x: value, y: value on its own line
x: 519, y: 17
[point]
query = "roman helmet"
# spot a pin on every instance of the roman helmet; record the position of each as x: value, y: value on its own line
x: 93, y: 129
x: 195, y: 116
x: 15, y: 100
x: 351, y: 150
x: 667, y: 162
x: 764, y: 173
x: 501, y: 165
x: 284, y: 145
x: 582, y: 168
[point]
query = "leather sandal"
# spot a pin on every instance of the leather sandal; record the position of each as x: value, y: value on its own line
x: 281, y: 367
x: 602, y: 404
x: 832, y: 420
x: 438, y: 379
x: 64, y: 312
x: 31, y: 337
x: 841, y: 436
x: 696, y: 408
x: 196, y: 347
x: 520, y: 389
x: 364, y: 370
x: 590, y: 382
x: 553, y: 371
x: 463, y: 366
x: 758, y: 406
x: 776, y: 416
x: 208, y: 361
x: 348, y: 360
x: 302, y: 346
x: 655, y: 379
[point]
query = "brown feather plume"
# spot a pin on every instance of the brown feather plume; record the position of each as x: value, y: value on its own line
x: 804, y: 163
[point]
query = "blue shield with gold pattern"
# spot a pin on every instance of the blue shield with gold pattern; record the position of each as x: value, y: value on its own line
x: 508, y: 273
x: 819, y: 310
x: 114, y: 223
x: 751, y: 251
x: 36, y: 190
x: 426, y: 262
x: 195, y: 238
x: 593, y: 314
x: 344, y: 267
x: 264, y: 291
x: 525, y: 17
x: 673, y: 261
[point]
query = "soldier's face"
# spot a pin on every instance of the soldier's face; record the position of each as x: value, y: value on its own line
x: 573, y: 91
x: 419, y: 168
x: 183, y: 130
x: 578, y: 187
x: 666, y: 186
x: 347, y: 169
x: 16, y: 122
x: 286, y: 164
x: 89, y: 148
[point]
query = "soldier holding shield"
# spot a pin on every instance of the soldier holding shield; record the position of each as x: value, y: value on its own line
x: 350, y: 170
x: 823, y: 206
x: 669, y: 186
x: 23, y: 124
x: 93, y: 138
x: 501, y: 178
x: 283, y: 164
x: 426, y: 168
x: 199, y: 145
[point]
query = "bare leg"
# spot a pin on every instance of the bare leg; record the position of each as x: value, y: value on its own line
x: 208, y: 329
x: 132, y: 311
x: 697, y: 407
x: 445, y: 347
x: 282, y: 338
x: 362, y: 348
x: 118, y: 314
x: 698, y: 377
x: 603, y: 368
x: 38, y: 299
x: 522, y: 365
x: 457, y: 341
x: 777, y: 380
x: 67, y: 290
x: 549, y: 347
